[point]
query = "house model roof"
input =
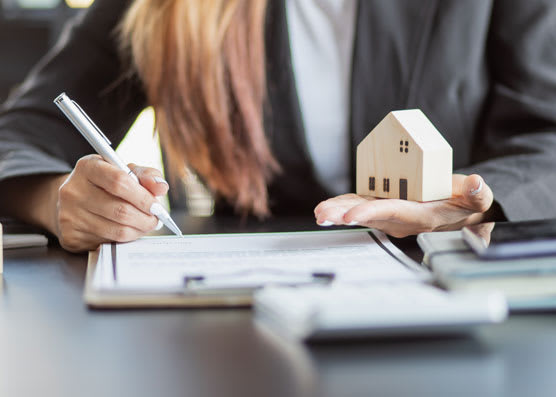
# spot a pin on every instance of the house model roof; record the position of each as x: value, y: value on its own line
x: 420, y: 128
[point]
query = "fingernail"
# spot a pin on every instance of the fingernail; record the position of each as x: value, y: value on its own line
x: 159, y: 225
x: 158, y: 179
x: 156, y: 209
x: 326, y: 223
x: 479, y: 188
x: 353, y: 223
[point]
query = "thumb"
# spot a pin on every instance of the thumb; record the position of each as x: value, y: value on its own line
x: 477, y: 194
x: 151, y: 179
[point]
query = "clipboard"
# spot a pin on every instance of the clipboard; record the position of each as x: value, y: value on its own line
x: 197, y: 297
x: 111, y: 300
x: 194, y: 293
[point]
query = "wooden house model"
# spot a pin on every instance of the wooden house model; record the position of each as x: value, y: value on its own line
x: 405, y: 157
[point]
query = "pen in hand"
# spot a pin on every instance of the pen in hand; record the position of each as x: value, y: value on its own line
x: 103, y: 147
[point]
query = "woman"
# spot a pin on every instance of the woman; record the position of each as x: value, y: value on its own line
x: 268, y: 100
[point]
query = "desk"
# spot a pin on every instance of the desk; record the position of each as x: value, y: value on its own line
x: 52, y: 345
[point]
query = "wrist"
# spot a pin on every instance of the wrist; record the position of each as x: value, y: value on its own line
x: 33, y: 199
x: 46, y: 201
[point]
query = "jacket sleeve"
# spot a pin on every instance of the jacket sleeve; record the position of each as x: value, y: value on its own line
x: 516, y: 147
x: 35, y: 138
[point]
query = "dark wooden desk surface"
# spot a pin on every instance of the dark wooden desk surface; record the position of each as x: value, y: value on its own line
x: 52, y: 345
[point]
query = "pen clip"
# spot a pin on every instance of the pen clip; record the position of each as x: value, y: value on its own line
x: 92, y: 123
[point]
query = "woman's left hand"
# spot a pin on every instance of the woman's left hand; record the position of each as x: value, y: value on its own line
x: 470, y: 201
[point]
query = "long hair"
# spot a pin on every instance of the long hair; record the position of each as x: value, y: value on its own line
x: 202, y: 65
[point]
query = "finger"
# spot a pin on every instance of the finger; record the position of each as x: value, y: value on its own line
x: 332, y: 216
x: 108, y: 230
x: 390, y: 210
x: 117, y: 183
x: 119, y: 211
x: 349, y: 199
x: 477, y: 194
x: 151, y: 179
x: 331, y: 211
x: 457, y: 184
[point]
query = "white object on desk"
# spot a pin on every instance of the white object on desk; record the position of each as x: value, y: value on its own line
x: 381, y: 309
x: 12, y: 241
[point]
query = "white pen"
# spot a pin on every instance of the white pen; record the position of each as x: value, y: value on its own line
x: 101, y: 144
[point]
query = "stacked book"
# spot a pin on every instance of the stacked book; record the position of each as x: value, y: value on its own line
x: 528, y: 283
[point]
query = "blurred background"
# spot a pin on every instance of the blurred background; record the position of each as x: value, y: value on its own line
x: 28, y: 28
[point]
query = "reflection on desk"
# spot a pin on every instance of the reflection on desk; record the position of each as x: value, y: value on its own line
x: 52, y: 345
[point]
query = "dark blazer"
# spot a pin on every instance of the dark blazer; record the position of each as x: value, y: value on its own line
x: 484, y: 71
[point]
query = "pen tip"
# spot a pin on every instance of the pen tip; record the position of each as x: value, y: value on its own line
x: 176, y: 230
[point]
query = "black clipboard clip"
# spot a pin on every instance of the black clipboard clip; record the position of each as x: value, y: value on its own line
x: 247, y: 281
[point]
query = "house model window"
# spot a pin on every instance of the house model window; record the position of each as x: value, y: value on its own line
x: 386, y: 185
x: 372, y: 183
x: 423, y: 173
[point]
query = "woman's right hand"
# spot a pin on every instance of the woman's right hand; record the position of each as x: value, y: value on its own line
x: 98, y: 203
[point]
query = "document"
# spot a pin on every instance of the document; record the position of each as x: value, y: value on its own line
x: 164, y: 264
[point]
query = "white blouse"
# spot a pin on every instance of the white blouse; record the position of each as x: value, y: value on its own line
x: 321, y: 39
